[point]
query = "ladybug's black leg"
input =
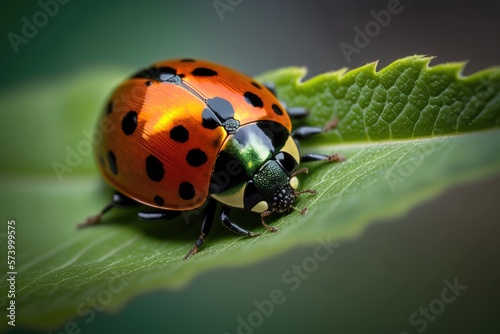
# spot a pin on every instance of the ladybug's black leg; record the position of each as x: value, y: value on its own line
x: 293, y: 112
x: 296, y: 112
x: 206, y: 224
x: 321, y: 157
x: 227, y: 222
x: 270, y: 86
x: 95, y: 219
x: 123, y: 201
x: 118, y: 199
x: 307, y: 131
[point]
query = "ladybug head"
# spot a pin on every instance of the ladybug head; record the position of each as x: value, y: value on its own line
x: 282, y: 200
x: 277, y: 195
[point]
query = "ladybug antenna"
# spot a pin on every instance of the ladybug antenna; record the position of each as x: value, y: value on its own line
x: 300, y: 171
x: 308, y: 191
x: 302, y: 211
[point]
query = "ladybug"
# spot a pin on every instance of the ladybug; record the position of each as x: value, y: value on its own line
x: 189, y: 133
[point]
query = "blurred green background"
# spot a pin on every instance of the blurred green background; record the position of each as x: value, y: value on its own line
x: 369, y: 285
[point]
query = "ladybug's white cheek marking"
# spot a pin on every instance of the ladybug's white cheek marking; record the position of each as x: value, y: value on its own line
x: 260, y: 207
x: 294, y: 183
x: 233, y: 197
x: 291, y: 148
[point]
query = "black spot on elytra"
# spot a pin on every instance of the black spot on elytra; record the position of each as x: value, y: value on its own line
x: 163, y: 73
x: 179, y: 134
x: 209, y: 119
x: 167, y: 70
x: 109, y: 107
x: 186, y: 191
x: 216, y: 143
x: 129, y: 123
x: 154, y: 168
x: 196, y: 157
x: 277, y: 110
x: 112, y: 162
x: 221, y: 107
x: 253, y: 99
x: 101, y: 160
x: 159, y: 200
x: 203, y: 72
x: 256, y: 85
x: 187, y: 60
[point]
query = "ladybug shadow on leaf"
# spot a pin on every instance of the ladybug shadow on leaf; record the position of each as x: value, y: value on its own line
x: 185, y: 226
x: 127, y: 218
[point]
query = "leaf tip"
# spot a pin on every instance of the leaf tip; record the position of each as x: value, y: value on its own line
x: 338, y: 73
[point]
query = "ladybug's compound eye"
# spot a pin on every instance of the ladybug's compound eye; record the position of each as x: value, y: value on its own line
x: 294, y: 183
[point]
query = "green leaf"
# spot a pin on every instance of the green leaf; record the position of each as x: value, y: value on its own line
x: 405, y: 100
x: 408, y: 132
